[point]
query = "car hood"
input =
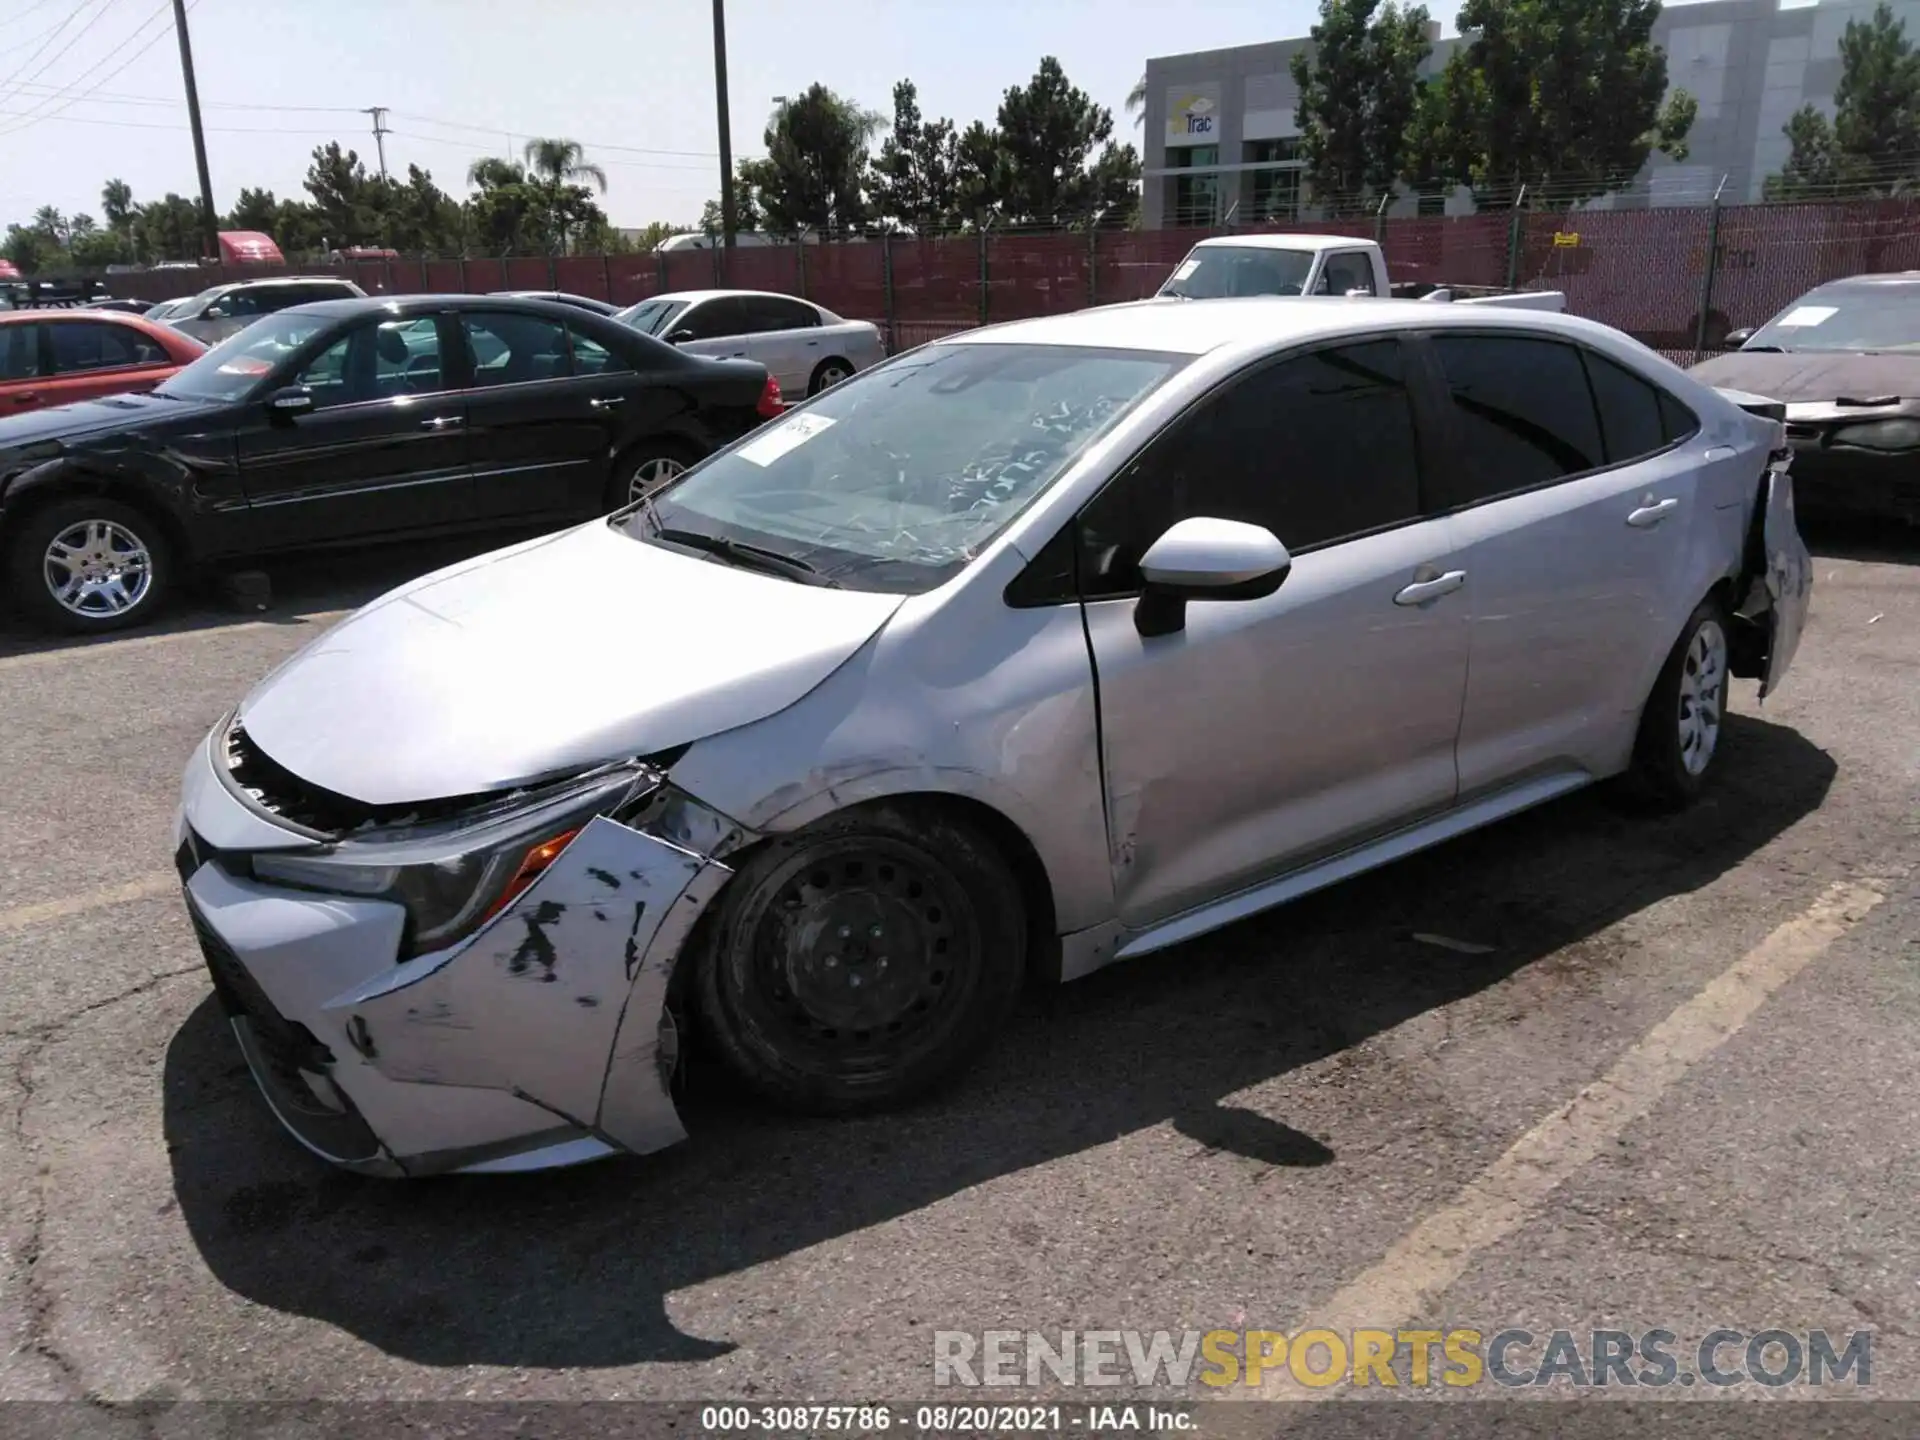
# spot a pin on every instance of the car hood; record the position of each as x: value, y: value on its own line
x: 548, y: 657
x: 60, y: 426
x: 1796, y: 377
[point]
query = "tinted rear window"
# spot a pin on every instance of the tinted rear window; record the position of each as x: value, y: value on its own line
x: 1524, y: 412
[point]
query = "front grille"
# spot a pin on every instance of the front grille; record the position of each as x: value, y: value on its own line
x: 279, y: 791
x: 1803, y: 432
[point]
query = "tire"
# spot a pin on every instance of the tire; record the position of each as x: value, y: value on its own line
x: 631, y: 478
x: 829, y: 373
x: 1680, y: 728
x: 126, y: 549
x: 843, y: 903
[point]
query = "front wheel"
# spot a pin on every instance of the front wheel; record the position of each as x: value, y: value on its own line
x: 1680, y: 727
x: 87, y: 565
x: 858, y: 963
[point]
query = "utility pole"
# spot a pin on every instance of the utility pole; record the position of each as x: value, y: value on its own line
x: 380, y: 133
x: 727, y: 217
x: 209, y: 222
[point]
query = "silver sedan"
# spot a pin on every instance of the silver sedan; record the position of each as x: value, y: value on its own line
x: 805, y: 347
x: 1040, y: 648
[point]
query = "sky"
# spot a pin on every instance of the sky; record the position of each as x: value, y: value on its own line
x: 91, y: 89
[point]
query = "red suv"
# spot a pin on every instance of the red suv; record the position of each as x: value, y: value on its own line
x: 55, y: 357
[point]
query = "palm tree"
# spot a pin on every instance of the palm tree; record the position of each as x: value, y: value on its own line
x: 490, y: 172
x: 1136, y: 102
x: 557, y: 163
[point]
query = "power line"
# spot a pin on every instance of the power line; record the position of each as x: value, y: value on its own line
x: 35, y: 118
x: 17, y: 18
x: 51, y: 35
x: 468, y: 147
x: 524, y: 130
x: 115, y: 98
x: 162, y: 125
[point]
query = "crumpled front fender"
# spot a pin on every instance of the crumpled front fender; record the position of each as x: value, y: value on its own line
x: 1784, y: 587
x: 561, y: 998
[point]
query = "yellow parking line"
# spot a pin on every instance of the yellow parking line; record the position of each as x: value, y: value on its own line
x: 1437, y: 1251
x: 145, y: 888
x: 66, y: 653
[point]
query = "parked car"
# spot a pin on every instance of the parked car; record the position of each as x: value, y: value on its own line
x: 167, y: 309
x: 1236, y: 266
x: 806, y: 346
x: 1845, y: 357
x: 213, y: 315
x: 696, y: 240
x: 561, y: 297
x: 1040, y: 647
x: 55, y: 357
x: 124, y: 306
x: 350, y: 421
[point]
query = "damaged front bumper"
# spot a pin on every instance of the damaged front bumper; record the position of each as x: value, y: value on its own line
x: 541, y: 1039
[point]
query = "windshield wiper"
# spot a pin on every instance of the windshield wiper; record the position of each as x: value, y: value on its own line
x: 752, y: 556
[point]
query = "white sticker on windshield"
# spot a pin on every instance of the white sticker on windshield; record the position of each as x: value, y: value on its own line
x: 1187, y: 267
x: 1809, y: 315
x: 788, y: 435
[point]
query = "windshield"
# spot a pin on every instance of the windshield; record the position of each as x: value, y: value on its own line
x: 1213, y: 271
x: 233, y: 368
x: 1881, y: 317
x: 650, y: 317
x: 895, y: 479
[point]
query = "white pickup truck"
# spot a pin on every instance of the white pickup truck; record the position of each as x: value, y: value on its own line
x: 1293, y: 264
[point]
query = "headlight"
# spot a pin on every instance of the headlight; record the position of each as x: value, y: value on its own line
x: 1881, y: 435
x: 453, y: 883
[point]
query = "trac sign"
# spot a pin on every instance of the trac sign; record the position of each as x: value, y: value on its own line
x: 1193, y: 118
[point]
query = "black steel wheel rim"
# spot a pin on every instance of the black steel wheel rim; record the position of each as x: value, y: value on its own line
x: 860, y: 958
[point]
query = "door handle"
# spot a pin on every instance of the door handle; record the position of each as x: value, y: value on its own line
x: 442, y: 422
x: 1650, y: 515
x: 607, y: 402
x: 1422, y: 592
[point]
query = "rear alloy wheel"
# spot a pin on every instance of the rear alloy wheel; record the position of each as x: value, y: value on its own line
x: 858, y: 963
x: 1680, y: 727
x: 88, y: 565
x: 646, y: 468
x: 828, y: 374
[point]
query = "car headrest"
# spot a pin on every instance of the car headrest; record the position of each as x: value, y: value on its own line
x: 393, y: 346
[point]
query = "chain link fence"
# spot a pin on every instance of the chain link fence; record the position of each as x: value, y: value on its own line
x: 1678, y: 279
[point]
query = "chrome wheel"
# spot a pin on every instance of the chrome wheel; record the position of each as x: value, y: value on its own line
x: 1703, y: 696
x: 651, y: 475
x: 97, y: 569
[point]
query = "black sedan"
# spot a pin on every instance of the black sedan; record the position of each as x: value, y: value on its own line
x: 1845, y: 358
x: 350, y: 421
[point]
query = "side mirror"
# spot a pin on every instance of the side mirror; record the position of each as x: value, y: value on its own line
x: 293, y: 400
x: 681, y: 336
x: 1206, y: 559
x: 1734, y: 339
x: 213, y: 312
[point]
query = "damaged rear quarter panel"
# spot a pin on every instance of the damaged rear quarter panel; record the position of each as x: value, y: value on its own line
x: 559, y: 1000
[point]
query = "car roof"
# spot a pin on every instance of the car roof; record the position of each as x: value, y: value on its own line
x: 1194, y: 327
x: 109, y: 317
x: 1282, y: 241
x: 1892, y: 280
x: 266, y: 282
x: 692, y: 295
x: 348, y: 305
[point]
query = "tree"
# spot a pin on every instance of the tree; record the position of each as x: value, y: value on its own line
x: 425, y: 219
x: 1136, y: 101
x: 648, y: 240
x: 811, y: 178
x: 349, y: 206
x: 168, y: 229
x: 1115, y: 187
x: 28, y: 249
x: 1359, y: 91
x: 1564, y: 96
x: 916, y: 176
x: 982, y: 176
x: 116, y: 204
x: 50, y: 223
x: 1048, y: 130
x: 254, y: 210
x: 746, y: 206
x: 91, y: 248
x: 1873, y: 141
x: 503, y: 215
x: 555, y: 168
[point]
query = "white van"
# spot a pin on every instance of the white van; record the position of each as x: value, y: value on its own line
x: 694, y: 240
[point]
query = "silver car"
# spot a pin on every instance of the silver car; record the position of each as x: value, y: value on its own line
x: 1042, y: 647
x: 805, y: 347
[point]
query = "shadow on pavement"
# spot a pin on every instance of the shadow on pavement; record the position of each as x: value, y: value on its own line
x: 1836, y: 537
x: 573, y: 1269
x: 314, y: 583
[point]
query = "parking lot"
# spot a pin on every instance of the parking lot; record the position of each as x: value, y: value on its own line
x: 1341, y: 1114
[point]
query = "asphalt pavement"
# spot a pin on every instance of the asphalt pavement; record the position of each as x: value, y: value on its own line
x: 1587, y: 1069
